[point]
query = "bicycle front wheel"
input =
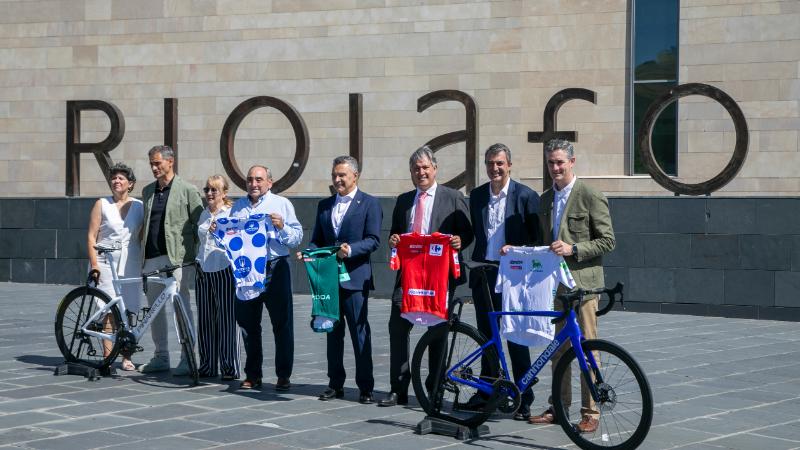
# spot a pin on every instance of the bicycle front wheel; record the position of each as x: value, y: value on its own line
x: 186, y: 337
x: 72, y: 313
x: 438, y: 350
x: 625, y: 408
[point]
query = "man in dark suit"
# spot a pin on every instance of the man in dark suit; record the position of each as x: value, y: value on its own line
x: 351, y: 219
x: 576, y: 224
x: 503, y: 212
x: 446, y: 212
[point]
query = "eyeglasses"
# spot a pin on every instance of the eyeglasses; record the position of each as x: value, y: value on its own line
x: 212, y: 190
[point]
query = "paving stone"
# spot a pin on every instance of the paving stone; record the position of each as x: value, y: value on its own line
x: 158, y: 428
x: 238, y: 433
x: 166, y: 443
x: 13, y: 435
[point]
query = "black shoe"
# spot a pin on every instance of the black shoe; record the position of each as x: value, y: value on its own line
x: 366, y: 398
x: 394, y: 399
x: 522, y: 415
x: 331, y: 393
x: 283, y: 384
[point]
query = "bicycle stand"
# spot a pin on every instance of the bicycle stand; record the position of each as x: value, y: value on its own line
x: 442, y: 427
x: 70, y: 368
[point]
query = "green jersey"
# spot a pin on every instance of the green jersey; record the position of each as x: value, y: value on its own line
x: 325, y: 272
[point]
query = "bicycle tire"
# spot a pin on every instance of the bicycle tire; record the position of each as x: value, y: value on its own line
x: 72, y: 313
x: 187, y: 341
x: 451, y: 398
x: 626, y: 410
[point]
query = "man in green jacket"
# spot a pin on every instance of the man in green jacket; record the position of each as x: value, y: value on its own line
x: 171, y: 210
x: 576, y: 224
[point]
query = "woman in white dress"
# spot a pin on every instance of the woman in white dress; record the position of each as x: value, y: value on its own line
x: 117, y: 220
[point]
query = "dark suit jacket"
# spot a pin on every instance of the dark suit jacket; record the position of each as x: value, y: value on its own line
x: 361, y: 227
x: 449, y: 215
x: 521, y: 225
x: 586, y: 222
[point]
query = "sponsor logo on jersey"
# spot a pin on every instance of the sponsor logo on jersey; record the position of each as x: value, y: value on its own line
x: 515, y: 264
x: 321, y: 297
x: 536, y: 266
x: 436, y: 250
x: 251, y: 227
x: 422, y: 292
x: 394, y: 252
x: 415, y: 246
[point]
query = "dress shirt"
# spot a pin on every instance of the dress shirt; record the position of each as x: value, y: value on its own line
x: 210, y: 256
x: 427, y: 209
x: 340, y: 209
x: 292, y: 232
x: 496, y: 222
x: 559, y: 204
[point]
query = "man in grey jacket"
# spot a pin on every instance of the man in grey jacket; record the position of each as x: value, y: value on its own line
x: 171, y: 210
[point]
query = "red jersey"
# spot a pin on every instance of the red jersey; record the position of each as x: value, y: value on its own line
x: 427, y: 260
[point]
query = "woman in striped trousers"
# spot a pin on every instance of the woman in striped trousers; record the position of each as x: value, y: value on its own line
x: 215, y: 288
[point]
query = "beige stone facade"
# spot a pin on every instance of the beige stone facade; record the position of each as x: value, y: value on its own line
x: 511, y: 56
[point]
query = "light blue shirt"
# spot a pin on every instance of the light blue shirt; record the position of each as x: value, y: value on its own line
x: 292, y: 232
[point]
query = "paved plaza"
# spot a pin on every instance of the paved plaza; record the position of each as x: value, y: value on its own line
x: 718, y: 383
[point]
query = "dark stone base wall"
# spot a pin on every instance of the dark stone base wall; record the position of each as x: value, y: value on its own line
x: 732, y: 257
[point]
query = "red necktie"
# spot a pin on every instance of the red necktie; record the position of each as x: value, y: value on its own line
x: 419, y: 212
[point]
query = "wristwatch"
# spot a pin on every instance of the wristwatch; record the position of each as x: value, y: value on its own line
x: 575, y: 250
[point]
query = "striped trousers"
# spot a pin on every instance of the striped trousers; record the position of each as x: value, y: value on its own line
x: 217, y: 333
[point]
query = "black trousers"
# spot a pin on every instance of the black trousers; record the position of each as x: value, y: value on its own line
x: 278, y: 300
x: 353, y: 313
x: 519, y: 355
x: 217, y: 334
x: 399, y: 347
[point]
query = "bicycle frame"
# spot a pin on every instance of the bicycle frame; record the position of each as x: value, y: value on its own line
x: 170, y: 292
x: 571, y: 332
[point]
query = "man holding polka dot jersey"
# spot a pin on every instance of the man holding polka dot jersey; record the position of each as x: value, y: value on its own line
x: 277, y: 295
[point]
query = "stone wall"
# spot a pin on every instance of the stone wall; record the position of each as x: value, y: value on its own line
x: 510, y: 55
x: 737, y: 257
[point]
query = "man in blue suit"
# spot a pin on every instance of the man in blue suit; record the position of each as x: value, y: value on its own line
x: 351, y: 219
x: 503, y: 212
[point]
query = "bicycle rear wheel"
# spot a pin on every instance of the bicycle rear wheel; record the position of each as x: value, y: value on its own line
x: 186, y: 337
x: 626, y: 402
x: 431, y: 361
x: 72, y: 313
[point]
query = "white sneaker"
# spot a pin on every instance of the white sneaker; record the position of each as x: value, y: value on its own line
x: 182, y: 369
x: 156, y: 364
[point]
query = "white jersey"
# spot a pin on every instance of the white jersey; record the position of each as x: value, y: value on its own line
x: 246, y: 242
x: 528, y: 279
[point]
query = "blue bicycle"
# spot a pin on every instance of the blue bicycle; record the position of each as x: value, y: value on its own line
x: 454, y: 364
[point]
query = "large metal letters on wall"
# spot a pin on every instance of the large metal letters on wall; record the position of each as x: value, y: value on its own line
x: 469, y: 135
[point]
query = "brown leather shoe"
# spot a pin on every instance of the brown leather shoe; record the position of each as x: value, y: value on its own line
x: 546, y: 418
x: 587, y: 424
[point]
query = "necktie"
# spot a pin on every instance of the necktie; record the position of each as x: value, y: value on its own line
x: 419, y: 212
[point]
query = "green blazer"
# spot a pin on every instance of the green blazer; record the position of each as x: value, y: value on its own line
x: 184, y: 206
x: 586, y: 222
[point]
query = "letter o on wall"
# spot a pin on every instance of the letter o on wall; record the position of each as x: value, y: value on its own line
x: 739, y: 151
x: 226, y: 141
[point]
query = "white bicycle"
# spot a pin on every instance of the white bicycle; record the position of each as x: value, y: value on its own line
x: 90, y: 329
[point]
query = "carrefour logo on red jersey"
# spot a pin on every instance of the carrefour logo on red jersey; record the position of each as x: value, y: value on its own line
x: 515, y: 264
x: 436, y: 250
x: 422, y: 292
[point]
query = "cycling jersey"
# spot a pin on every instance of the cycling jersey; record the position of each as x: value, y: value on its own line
x: 427, y: 260
x: 325, y: 272
x: 528, y: 278
x: 245, y: 241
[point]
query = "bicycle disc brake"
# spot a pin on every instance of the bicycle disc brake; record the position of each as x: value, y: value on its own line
x: 507, y: 396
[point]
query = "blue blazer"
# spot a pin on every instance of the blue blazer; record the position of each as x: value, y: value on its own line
x: 522, y: 221
x: 361, y: 227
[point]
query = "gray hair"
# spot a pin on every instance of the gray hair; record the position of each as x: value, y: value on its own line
x: 423, y: 152
x: 349, y: 160
x: 165, y: 151
x: 560, y: 144
x: 496, y: 149
x: 266, y: 169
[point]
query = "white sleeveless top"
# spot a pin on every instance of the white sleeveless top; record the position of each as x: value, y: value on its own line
x: 113, y: 229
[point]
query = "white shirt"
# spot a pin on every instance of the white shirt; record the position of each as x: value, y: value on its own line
x: 528, y: 278
x: 340, y: 209
x: 210, y: 255
x: 426, y: 213
x: 559, y: 204
x: 496, y: 222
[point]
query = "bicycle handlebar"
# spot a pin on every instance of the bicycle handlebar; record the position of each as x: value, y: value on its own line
x: 579, y: 294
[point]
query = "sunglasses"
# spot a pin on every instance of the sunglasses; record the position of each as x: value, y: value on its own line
x: 208, y: 189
